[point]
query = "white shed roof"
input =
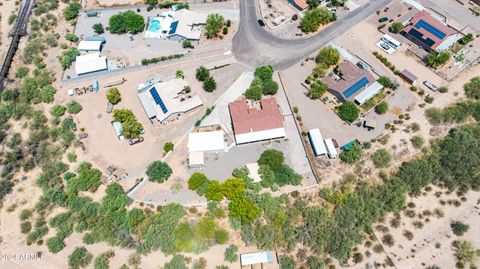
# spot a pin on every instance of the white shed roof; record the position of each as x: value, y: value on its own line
x: 368, y: 93
x: 206, y: 141
x: 196, y: 159
x: 90, y: 63
x: 90, y: 45
x: 316, y: 140
x: 256, y: 258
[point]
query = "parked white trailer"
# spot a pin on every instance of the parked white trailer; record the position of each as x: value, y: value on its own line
x: 332, y: 152
x: 316, y: 141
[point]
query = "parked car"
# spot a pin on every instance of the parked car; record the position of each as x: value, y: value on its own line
x: 383, y: 19
x: 362, y: 65
x: 334, y: 11
x: 369, y: 124
x: 384, y: 46
x: 261, y: 23
x: 430, y: 86
x: 134, y: 141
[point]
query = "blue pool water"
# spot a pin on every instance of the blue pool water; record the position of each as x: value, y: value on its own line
x: 154, y: 26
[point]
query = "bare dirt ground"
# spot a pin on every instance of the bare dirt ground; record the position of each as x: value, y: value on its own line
x: 7, y: 7
x: 432, y: 236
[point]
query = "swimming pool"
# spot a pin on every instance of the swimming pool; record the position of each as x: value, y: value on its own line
x: 154, y: 26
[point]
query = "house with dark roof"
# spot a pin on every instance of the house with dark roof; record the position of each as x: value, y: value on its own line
x: 351, y: 83
x: 430, y: 33
x: 256, y: 121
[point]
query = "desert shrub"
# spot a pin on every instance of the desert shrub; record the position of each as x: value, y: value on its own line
x: 382, y: 158
x: 74, y: 107
x: 417, y: 141
x: 459, y: 228
x: 230, y: 254
x: 381, y: 108
x: 79, y: 258
x: 352, y: 155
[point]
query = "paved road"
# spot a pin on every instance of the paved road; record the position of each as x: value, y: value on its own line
x: 253, y: 45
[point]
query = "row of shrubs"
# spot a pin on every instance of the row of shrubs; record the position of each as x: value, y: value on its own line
x: 161, y: 59
x: 386, y: 62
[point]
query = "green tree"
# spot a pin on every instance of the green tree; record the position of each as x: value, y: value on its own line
x: 57, y: 111
x: 352, y: 155
x: 186, y: 44
x: 348, y: 111
x: 314, y: 17
x: 209, y: 85
x: 381, y: 108
x: 254, y: 92
x: 80, y: 258
x: 287, y: 262
x: 435, y: 59
x: 272, y: 158
x: 213, y: 25
x: 71, y: 38
x: 168, y: 147
x: 98, y: 28
x: 102, y: 260
x: 68, y: 57
x: 465, y: 252
x: 244, y: 210
x: 214, y: 191
x: 131, y: 128
x: 126, y: 22
x: 55, y: 244
x: 269, y: 87
x: 317, y: 89
x: 459, y: 228
x: 385, y: 81
x: 47, y: 94
x: 72, y: 10
x: 22, y: 72
x: 113, y: 96
x: 381, y: 158
x: 315, y: 262
x: 74, y: 107
x: 197, y: 180
x: 417, y: 141
x: 202, y: 73
x: 328, y: 56
x: 313, y: 3
x: 264, y: 73
x: 177, y: 262
x: 396, y: 27
x: 158, y: 171
x: 472, y: 88
x: 231, y: 254
x: 179, y: 74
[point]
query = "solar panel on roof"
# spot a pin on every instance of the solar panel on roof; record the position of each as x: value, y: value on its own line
x: 419, y: 36
x: 158, y: 100
x: 355, y: 87
x: 430, y: 28
x: 173, y: 27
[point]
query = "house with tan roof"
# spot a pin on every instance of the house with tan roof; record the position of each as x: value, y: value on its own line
x: 256, y: 121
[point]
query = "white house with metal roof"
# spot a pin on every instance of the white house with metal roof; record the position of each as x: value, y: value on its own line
x: 167, y: 100
x: 90, y: 63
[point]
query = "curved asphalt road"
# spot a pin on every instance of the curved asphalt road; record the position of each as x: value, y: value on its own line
x: 254, y: 46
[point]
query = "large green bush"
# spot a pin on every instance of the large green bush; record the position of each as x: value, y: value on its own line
x: 158, y: 171
x: 126, y: 22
